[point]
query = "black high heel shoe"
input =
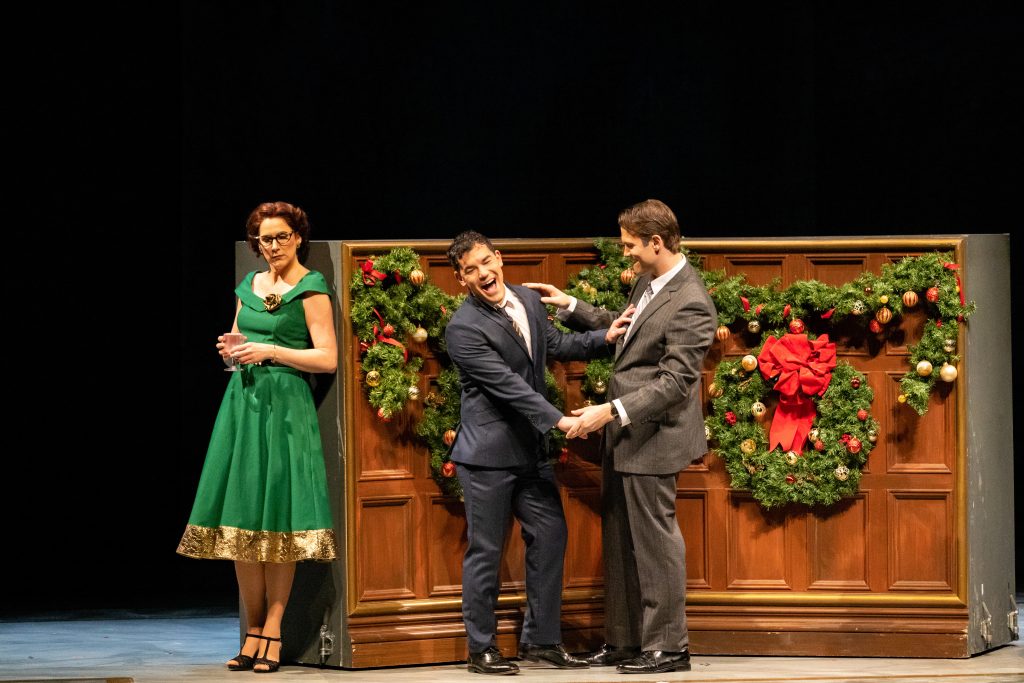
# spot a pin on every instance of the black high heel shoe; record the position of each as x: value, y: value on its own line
x: 272, y: 665
x: 244, y: 662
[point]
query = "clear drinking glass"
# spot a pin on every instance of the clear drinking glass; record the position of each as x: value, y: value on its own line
x: 231, y: 340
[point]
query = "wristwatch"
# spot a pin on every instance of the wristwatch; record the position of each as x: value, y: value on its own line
x: 615, y: 410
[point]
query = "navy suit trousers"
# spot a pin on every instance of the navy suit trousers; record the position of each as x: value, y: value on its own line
x: 492, y: 496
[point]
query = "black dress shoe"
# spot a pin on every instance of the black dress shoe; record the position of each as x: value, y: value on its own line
x: 656, y: 662
x: 490, y: 661
x: 609, y: 655
x: 552, y: 654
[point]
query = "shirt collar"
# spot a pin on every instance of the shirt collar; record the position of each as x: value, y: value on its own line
x: 662, y: 280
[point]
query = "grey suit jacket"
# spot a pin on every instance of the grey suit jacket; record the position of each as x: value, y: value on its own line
x: 505, y: 415
x: 657, y: 375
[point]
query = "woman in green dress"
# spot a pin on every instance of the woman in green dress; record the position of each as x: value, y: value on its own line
x: 262, y: 499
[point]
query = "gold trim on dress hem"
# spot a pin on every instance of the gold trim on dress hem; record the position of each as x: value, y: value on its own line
x: 245, y: 545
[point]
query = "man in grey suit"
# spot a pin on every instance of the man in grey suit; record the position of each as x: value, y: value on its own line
x: 655, y: 429
x: 500, y: 339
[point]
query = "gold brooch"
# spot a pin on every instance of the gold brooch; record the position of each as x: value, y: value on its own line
x: 272, y: 301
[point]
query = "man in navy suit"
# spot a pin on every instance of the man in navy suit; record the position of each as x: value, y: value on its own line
x: 500, y: 340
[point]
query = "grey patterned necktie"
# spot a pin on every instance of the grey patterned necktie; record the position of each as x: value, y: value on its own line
x: 644, y: 300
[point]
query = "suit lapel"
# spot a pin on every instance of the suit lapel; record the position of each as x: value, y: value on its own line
x: 660, y: 299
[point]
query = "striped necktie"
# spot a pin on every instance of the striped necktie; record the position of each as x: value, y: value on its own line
x: 515, y: 326
x: 644, y: 300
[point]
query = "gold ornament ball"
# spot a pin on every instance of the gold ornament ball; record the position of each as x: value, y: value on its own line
x: 883, y: 315
x: 414, y: 393
x: 449, y: 437
x: 842, y: 473
x: 748, y: 446
x: 813, y: 435
x: 372, y: 378
x: 909, y: 299
x: 924, y: 368
x: 715, y: 391
x: 792, y: 458
x: 872, y: 435
x: 884, y: 299
x: 722, y: 333
x: 707, y: 433
x: 419, y: 335
x: 417, y: 277
x: 627, y: 276
x: 600, y: 388
x: 749, y: 363
x: 947, y: 372
x: 858, y: 308
x: 948, y: 345
x: 902, y: 398
x: 758, y: 409
x: 754, y: 326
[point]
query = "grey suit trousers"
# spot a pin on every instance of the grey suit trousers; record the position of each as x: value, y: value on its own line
x: 644, y: 561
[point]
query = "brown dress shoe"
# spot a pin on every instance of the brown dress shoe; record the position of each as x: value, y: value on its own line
x: 552, y: 654
x: 656, y: 662
x: 610, y: 655
x: 490, y: 661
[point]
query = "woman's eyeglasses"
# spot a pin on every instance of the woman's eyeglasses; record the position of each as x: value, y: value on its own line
x: 282, y: 238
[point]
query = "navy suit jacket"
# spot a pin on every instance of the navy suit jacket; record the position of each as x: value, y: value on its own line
x: 505, y: 413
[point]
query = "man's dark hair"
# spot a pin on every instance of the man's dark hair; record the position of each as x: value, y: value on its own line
x: 649, y: 218
x: 463, y: 244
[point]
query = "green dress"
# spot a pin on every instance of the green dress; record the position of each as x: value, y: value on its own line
x: 263, y: 492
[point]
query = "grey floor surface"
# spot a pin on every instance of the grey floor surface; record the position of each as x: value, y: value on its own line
x: 190, y: 648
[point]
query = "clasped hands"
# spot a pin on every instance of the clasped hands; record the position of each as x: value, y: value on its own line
x: 583, y: 421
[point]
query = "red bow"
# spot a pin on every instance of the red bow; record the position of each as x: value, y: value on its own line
x: 371, y: 276
x: 804, y: 369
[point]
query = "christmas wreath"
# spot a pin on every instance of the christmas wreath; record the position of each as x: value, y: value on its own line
x: 822, y: 430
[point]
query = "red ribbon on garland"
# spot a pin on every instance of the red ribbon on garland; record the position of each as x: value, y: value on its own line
x: 371, y: 276
x: 379, y: 336
x: 804, y: 369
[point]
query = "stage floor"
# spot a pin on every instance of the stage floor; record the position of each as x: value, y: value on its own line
x: 180, y: 647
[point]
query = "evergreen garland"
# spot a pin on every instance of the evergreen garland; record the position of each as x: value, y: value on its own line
x: 388, y: 305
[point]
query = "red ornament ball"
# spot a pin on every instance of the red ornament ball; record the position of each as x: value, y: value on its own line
x: 790, y: 479
x: 855, y: 382
x: 875, y: 326
x: 730, y: 417
x: 853, y: 445
x: 563, y: 457
x: 819, y: 445
x: 383, y: 415
x: 862, y: 414
x: 796, y: 326
x: 388, y: 330
x: 448, y: 469
x: 932, y: 294
x: 449, y: 437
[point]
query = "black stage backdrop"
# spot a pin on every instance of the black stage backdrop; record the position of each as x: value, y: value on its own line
x: 157, y: 130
